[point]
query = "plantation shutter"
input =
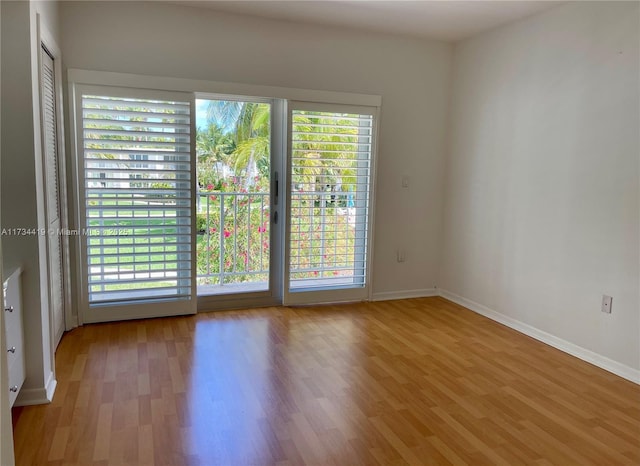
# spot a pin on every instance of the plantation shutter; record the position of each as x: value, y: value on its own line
x: 330, y: 164
x: 137, y: 196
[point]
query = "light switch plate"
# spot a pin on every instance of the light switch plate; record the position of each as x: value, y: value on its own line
x: 606, y: 303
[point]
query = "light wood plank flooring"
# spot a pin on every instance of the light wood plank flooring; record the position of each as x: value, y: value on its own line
x: 420, y: 381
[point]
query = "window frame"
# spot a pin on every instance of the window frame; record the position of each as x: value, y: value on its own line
x: 77, y: 79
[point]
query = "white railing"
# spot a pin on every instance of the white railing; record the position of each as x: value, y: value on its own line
x: 233, y: 237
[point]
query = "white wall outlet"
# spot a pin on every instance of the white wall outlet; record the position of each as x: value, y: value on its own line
x: 401, y: 255
x: 606, y: 303
x: 405, y: 181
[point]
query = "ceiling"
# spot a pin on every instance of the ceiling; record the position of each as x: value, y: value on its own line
x: 449, y: 20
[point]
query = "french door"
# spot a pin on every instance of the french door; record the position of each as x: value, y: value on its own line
x: 253, y: 202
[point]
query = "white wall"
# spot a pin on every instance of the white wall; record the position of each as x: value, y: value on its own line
x: 22, y: 198
x: 6, y: 431
x: 412, y: 76
x: 542, y: 200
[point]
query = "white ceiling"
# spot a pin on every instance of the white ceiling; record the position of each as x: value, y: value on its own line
x: 449, y: 20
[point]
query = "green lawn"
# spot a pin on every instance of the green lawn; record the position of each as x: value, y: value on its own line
x: 132, y: 254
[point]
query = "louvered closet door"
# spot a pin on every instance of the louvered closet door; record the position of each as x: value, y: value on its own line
x: 137, y: 203
x: 331, y: 150
x: 52, y: 193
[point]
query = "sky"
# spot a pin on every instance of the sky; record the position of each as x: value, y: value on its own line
x: 201, y: 113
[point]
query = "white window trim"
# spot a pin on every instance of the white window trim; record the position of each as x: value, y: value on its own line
x: 76, y: 76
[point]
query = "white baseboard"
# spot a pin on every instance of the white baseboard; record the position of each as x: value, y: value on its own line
x: 51, y: 388
x: 405, y: 294
x: 38, y: 396
x: 589, y: 356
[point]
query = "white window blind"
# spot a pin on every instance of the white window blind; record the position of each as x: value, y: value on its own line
x: 330, y: 187
x: 137, y: 193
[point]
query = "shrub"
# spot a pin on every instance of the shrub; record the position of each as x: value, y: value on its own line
x: 201, y: 223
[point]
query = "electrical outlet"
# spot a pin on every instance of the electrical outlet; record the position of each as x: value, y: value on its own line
x: 606, y: 304
x: 400, y: 255
x: 405, y: 181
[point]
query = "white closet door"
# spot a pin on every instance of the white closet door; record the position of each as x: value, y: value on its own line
x: 52, y: 193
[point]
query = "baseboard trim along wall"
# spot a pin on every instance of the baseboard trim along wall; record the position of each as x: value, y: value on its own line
x: 38, y: 396
x: 405, y: 294
x: 589, y: 356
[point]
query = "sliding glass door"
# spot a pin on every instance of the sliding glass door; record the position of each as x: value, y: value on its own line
x: 329, y: 198
x: 327, y: 202
x: 183, y: 205
x: 237, y: 201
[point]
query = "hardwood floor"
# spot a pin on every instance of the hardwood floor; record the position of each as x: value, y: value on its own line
x: 420, y: 381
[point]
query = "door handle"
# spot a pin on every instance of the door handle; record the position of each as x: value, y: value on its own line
x: 276, y: 188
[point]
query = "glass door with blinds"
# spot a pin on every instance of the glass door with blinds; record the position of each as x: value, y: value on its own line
x: 189, y: 200
x: 136, y: 178
x: 330, y: 174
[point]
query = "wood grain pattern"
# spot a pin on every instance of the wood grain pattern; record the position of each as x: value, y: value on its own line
x: 420, y: 381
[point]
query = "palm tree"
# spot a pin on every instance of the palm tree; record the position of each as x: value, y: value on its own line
x: 324, y: 159
x: 213, y: 147
x: 249, y: 123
